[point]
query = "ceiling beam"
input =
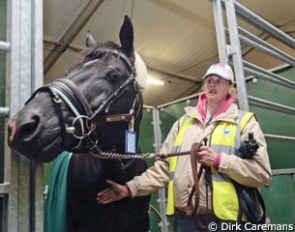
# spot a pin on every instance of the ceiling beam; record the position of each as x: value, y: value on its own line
x: 71, y: 33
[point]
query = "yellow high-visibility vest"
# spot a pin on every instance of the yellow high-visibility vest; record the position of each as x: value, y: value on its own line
x: 226, y: 138
x: 184, y: 122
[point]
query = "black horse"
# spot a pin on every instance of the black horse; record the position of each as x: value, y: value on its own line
x: 88, y: 112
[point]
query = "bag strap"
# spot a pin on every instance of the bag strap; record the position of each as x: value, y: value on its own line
x: 251, y: 204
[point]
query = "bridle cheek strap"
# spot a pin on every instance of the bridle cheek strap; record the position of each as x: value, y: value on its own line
x: 81, y: 127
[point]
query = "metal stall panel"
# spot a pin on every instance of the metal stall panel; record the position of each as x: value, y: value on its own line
x: 150, y: 140
x: 279, y: 199
x: 146, y: 145
x: 168, y: 114
x: 146, y: 136
x: 24, y: 74
x: 3, y: 50
x: 275, y: 122
x: 3, y: 15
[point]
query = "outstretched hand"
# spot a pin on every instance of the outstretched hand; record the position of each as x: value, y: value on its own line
x: 113, y: 193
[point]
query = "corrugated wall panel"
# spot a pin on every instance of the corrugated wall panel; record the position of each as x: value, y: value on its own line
x: 279, y: 199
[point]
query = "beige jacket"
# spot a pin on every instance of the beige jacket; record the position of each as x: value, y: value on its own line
x: 252, y: 172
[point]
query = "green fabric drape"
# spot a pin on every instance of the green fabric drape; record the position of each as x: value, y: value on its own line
x: 55, y: 211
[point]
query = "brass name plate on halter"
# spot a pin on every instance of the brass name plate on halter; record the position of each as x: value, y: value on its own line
x: 120, y: 117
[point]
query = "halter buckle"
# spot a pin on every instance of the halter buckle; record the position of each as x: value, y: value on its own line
x: 131, y: 124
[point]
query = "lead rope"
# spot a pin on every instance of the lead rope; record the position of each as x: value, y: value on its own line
x: 98, y: 153
x: 208, y: 182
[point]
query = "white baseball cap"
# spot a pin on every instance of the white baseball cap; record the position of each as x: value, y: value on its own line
x: 222, y: 70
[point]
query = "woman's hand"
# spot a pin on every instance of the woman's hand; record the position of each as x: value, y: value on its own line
x: 207, y: 156
x: 113, y: 193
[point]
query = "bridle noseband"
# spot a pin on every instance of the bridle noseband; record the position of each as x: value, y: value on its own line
x: 83, y: 126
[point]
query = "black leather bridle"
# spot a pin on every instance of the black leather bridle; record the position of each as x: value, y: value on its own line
x: 83, y: 126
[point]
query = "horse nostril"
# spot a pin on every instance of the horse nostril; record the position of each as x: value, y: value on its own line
x: 11, y: 130
x: 29, y: 129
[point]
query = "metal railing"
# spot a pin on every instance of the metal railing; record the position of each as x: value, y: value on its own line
x: 23, y: 209
x: 237, y: 35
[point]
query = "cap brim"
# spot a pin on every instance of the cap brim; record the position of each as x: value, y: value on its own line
x: 216, y: 74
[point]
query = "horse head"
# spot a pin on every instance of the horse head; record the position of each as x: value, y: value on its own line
x: 91, y: 106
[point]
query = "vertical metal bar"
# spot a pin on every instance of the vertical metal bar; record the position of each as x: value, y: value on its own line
x: 7, y: 48
x: 11, y: 157
x: 161, y: 193
x: 157, y: 130
x: 37, y: 41
x: 235, y: 51
x: 220, y: 32
x: 26, y: 74
x: 36, y: 170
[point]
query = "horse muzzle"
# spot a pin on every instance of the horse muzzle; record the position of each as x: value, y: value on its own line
x: 24, y: 137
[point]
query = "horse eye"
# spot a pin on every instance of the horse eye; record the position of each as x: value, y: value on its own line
x: 99, y: 55
x: 113, y: 77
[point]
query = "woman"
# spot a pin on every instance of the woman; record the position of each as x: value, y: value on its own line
x: 219, y: 120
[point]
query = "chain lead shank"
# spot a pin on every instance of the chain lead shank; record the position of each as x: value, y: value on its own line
x: 109, y: 155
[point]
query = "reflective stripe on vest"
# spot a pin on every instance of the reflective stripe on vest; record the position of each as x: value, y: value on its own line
x: 226, y: 138
x: 184, y: 122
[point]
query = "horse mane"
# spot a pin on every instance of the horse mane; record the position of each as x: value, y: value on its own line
x: 96, y: 52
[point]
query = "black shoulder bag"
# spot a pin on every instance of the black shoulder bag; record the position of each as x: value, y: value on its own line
x: 250, y: 200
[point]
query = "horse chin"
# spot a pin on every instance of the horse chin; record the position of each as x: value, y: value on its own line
x: 38, y: 153
x: 50, y: 152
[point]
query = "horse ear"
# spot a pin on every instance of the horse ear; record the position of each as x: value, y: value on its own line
x: 126, y: 36
x: 89, y: 41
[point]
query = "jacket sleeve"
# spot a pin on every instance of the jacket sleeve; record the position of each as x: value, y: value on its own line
x: 156, y: 176
x: 253, y: 172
